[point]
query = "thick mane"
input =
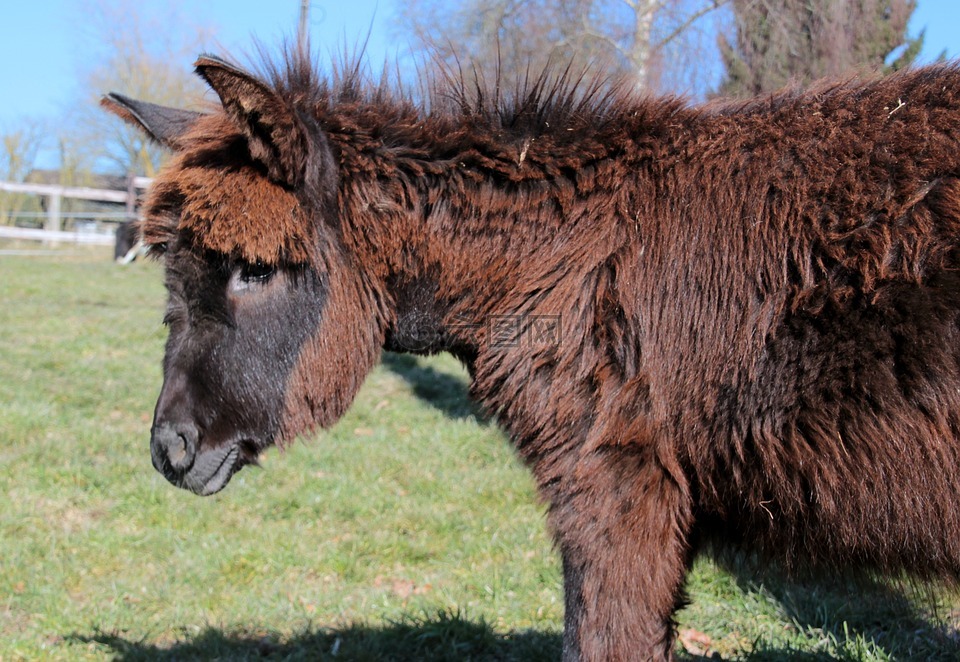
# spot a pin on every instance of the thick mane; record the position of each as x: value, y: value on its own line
x: 555, y: 99
x: 550, y: 125
x: 476, y: 114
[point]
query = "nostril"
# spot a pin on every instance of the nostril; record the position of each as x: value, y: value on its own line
x: 174, y: 447
x: 177, y: 451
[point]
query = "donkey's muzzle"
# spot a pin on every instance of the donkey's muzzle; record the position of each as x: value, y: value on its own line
x: 173, y: 448
x: 176, y: 454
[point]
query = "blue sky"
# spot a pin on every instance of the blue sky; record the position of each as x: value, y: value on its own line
x: 41, y: 40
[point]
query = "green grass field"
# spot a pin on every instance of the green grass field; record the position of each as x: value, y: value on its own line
x: 408, y: 532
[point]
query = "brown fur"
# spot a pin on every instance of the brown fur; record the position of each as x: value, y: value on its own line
x: 225, y: 208
x: 758, y: 303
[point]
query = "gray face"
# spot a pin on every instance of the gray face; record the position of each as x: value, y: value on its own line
x: 236, y: 330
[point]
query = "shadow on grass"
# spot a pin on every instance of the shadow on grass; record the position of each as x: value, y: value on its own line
x: 856, y: 618
x: 446, y: 392
x: 445, y: 637
x: 853, y: 625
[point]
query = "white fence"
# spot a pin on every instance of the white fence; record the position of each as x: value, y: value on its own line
x: 78, y: 236
x: 52, y: 217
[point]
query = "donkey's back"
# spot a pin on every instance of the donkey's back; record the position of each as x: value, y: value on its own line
x: 814, y: 358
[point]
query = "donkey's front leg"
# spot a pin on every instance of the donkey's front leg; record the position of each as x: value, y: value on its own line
x: 622, y: 524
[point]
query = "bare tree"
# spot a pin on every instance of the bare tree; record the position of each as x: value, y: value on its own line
x: 782, y: 41
x: 636, y: 37
x: 19, y: 148
x: 142, y: 55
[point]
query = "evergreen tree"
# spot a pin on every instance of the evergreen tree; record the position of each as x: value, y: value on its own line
x: 778, y: 42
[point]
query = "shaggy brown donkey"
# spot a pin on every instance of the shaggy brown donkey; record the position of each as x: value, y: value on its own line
x: 732, y: 324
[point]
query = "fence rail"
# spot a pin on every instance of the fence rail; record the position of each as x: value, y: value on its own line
x: 54, y: 236
x: 53, y: 216
x: 77, y: 192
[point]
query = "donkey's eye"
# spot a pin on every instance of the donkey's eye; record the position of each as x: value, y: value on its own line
x: 249, y: 276
x: 255, y: 272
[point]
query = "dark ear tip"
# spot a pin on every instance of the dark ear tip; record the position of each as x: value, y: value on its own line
x: 209, y: 61
x: 117, y: 99
x: 119, y: 105
x: 162, y: 124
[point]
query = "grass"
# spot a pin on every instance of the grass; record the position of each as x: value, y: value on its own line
x: 407, y: 532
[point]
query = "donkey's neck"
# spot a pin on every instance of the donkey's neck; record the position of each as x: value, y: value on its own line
x: 507, y: 255
x: 464, y: 262
x: 465, y: 233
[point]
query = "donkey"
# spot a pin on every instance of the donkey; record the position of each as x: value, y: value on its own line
x: 728, y: 326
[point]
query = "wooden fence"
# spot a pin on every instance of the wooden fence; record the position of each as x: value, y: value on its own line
x: 53, y: 217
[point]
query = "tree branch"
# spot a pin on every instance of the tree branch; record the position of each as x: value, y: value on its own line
x: 690, y: 20
x: 588, y: 31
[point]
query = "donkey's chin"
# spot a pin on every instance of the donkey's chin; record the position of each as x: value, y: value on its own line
x: 213, y: 469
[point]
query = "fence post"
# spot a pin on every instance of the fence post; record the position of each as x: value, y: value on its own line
x: 131, y: 199
x: 53, y: 214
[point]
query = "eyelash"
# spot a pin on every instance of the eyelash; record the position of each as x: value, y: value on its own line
x: 256, y: 272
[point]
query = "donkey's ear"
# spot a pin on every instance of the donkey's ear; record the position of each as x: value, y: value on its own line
x: 162, y: 124
x: 275, y: 131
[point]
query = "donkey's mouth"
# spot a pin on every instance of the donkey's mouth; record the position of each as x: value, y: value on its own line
x: 212, y: 470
